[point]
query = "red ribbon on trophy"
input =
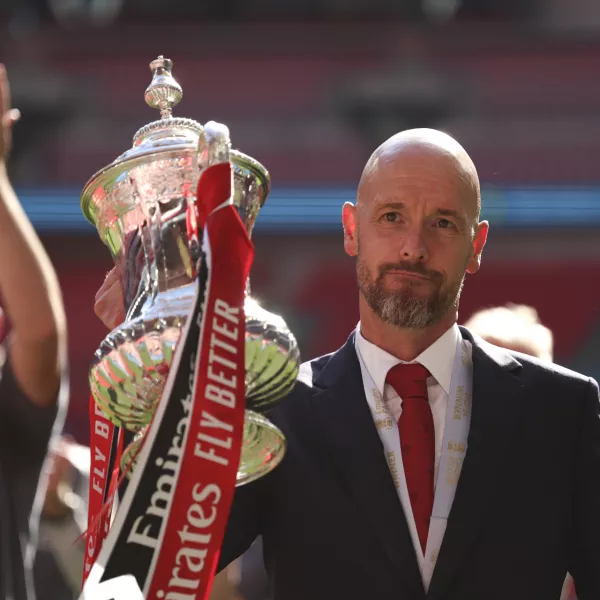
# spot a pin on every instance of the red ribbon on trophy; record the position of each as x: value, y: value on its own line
x: 167, y: 534
x: 106, y: 446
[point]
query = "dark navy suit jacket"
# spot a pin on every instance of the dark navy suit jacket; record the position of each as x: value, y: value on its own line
x: 526, y: 510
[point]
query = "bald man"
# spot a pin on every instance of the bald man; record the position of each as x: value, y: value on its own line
x: 422, y: 462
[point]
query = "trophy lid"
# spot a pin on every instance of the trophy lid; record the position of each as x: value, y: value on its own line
x: 165, y: 135
x: 168, y: 137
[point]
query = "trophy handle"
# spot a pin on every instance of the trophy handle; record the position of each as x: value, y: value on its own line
x: 214, y: 146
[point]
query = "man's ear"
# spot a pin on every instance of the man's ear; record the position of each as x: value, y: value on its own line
x: 478, y: 244
x: 350, y: 229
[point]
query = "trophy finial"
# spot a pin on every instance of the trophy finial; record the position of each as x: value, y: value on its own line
x: 164, y: 92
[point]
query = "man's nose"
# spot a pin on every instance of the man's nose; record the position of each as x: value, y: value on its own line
x: 413, y: 246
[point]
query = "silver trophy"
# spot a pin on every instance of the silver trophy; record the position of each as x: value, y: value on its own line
x: 142, y: 204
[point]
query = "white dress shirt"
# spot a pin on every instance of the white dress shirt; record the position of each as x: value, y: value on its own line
x: 438, y: 359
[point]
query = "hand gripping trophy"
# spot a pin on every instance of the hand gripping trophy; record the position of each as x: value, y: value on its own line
x: 145, y: 208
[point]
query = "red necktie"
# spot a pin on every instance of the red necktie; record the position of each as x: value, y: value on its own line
x: 417, y: 441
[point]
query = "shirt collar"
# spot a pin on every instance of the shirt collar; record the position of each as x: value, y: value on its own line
x: 438, y: 359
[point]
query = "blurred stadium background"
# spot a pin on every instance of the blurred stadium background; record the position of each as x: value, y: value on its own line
x: 310, y: 88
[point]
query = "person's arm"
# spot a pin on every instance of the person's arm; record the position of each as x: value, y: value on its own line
x: 28, y: 286
x: 585, y: 549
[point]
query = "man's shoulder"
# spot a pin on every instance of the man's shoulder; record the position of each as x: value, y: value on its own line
x: 536, y: 368
x: 310, y: 371
x: 530, y: 365
x: 308, y: 385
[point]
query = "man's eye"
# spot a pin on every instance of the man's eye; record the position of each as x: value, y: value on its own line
x: 390, y: 217
x: 444, y: 224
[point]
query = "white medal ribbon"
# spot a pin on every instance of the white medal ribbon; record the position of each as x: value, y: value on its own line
x: 454, y: 446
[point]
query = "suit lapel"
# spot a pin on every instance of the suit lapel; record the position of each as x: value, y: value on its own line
x: 358, y: 455
x: 496, y: 396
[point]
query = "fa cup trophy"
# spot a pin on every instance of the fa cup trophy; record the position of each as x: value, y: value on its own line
x: 143, y: 206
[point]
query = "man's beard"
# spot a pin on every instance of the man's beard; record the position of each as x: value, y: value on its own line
x: 403, y: 308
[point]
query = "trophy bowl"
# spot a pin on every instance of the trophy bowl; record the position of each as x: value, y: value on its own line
x: 143, y: 206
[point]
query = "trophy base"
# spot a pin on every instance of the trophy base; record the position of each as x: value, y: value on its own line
x: 133, y: 362
x: 263, y: 448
